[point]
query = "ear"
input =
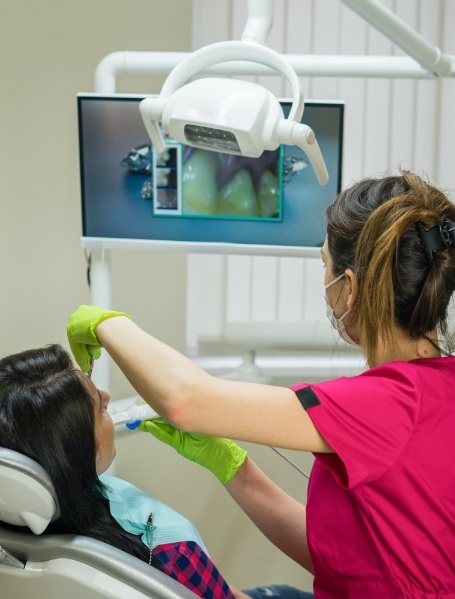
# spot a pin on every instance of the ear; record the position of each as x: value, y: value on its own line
x: 353, y: 288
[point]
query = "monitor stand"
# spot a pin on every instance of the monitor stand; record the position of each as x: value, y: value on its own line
x: 248, y: 370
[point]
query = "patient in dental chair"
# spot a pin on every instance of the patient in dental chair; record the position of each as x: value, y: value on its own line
x: 52, y: 412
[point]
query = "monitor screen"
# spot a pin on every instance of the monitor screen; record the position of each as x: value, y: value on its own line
x: 195, y: 200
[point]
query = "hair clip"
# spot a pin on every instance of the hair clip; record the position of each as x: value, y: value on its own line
x: 439, y: 237
x: 448, y: 232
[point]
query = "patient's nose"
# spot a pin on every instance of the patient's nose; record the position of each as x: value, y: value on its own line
x: 105, y: 395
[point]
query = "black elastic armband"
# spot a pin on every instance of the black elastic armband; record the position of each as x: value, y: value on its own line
x: 307, y: 397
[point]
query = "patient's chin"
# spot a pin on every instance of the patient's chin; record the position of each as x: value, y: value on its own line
x: 104, y: 462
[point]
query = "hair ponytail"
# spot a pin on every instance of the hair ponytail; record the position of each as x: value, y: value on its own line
x: 371, y: 229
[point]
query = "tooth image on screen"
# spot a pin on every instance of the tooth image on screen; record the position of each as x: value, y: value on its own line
x: 162, y: 175
x: 268, y: 196
x: 238, y: 197
x: 199, y: 179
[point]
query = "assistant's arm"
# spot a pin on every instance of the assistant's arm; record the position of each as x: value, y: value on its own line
x: 184, y: 394
x: 193, y: 400
x: 278, y: 516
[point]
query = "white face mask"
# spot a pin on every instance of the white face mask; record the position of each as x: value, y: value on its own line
x: 337, y: 323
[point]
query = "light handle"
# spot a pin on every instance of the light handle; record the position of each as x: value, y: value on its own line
x: 149, y: 108
x: 302, y: 136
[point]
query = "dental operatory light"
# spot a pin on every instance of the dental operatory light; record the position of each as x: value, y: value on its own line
x: 230, y: 115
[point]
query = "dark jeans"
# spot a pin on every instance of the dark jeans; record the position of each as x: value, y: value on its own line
x: 278, y: 591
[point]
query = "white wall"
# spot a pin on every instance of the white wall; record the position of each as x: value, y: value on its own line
x: 49, y: 53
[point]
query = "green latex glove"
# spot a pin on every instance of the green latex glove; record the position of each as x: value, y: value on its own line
x: 221, y: 456
x: 82, y: 336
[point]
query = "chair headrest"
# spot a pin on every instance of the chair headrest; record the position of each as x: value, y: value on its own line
x: 27, y: 495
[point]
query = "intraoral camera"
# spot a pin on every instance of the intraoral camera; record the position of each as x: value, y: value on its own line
x: 230, y: 115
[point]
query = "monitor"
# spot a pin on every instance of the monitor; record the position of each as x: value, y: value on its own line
x: 193, y: 200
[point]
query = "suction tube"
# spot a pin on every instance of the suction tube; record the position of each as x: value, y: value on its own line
x: 134, y: 414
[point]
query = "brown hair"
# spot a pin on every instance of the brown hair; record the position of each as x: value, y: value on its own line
x: 371, y: 229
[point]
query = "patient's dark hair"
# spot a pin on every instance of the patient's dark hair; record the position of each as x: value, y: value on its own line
x: 47, y: 413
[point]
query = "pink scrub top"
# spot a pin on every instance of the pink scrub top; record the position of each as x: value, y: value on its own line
x: 381, y: 509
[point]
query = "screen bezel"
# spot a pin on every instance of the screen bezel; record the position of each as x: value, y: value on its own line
x: 205, y: 247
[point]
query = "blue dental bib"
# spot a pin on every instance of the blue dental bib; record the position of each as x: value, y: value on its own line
x: 131, y: 508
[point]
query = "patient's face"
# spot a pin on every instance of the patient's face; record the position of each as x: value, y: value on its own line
x: 104, y: 431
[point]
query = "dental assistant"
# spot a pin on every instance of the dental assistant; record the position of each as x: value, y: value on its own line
x: 380, y: 515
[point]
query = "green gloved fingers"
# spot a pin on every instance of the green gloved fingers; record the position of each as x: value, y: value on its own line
x: 83, y: 354
x: 81, y: 333
x: 161, y: 430
x: 221, y: 456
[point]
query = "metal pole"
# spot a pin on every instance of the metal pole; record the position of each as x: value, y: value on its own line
x: 405, y: 37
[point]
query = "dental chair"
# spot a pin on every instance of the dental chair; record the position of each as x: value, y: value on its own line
x: 62, y: 566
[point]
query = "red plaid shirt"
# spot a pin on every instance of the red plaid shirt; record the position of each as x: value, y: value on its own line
x: 187, y: 563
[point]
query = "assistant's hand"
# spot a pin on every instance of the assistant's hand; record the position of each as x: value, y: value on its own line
x: 81, y: 332
x: 222, y: 457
